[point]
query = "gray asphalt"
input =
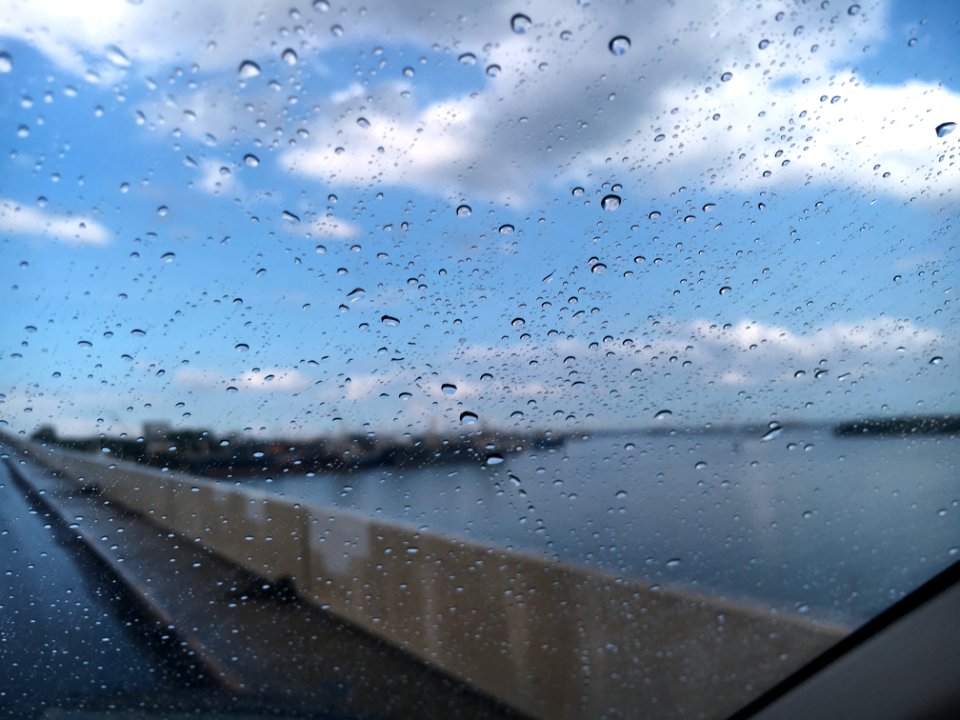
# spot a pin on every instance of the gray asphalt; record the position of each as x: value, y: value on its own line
x: 66, y: 633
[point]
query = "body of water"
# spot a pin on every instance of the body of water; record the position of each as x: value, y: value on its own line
x: 805, y: 522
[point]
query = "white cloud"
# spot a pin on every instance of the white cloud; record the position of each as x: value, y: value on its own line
x: 560, y: 111
x: 263, y: 380
x: 70, y: 229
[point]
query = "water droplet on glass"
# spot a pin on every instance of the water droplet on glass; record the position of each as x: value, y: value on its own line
x: 619, y: 45
x: 673, y: 563
x: 598, y: 268
x: 6, y: 62
x: 506, y: 229
x: 853, y: 10
x: 701, y: 465
x: 336, y: 30
x: 774, y: 431
x: 168, y: 257
x: 654, y: 215
x: 520, y: 23
x: 363, y: 122
x: 251, y: 160
x: 493, y: 70
x: 467, y: 58
x: 137, y: 332
x: 468, y: 418
x: 936, y: 360
x: 610, y: 202
x: 911, y: 42
x: 764, y: 44
x: 231, y: 389
x: 389, y: 321
x: 163, y: 210
x: 464, y: 211
x: 663, y: 415
x: 117, y: 56
x: 725, y: 290
x: 448, y: 388
x: 405, y: 395
x: 248, y: 69
x: 241, y: 347
x: 321, y: 5
x: 494, y: 459
x: 944, y: 129
x: 290, y: 217
x: 84, y: 343
x: 289, y: 56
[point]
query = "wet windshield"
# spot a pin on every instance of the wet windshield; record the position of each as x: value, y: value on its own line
x: 469, y: 359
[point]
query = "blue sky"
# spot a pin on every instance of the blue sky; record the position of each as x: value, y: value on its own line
x: 785, y: 246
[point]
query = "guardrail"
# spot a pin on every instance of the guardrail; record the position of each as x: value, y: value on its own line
x: 553, y: 640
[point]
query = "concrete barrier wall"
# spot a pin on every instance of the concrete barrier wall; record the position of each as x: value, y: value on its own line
x: 553, y: 640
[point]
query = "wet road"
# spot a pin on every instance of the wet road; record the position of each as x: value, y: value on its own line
x: 66, y: 634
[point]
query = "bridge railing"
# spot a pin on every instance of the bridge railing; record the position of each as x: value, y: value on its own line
x: 551, y: 639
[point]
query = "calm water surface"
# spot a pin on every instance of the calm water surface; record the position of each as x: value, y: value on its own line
x: 806, y: 522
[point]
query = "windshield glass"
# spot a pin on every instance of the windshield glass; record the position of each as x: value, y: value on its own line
x: 469, y: 359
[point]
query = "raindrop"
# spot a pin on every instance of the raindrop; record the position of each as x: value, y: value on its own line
x: 621, y: 494
x: 726, y: 77
x: 660, y: 137
x: 506, y: 229
x: 251, y: 160
x: 619, y: 45
x: 673, y: 563
x: 520, y: 23
x: 468, y: 418
x: 464, y: 211
x: 654, y: 215
x: 577, y: 191
x: 467, y: 58
x: 493, y: 70
x: 944, y: 129
x: 289, y: 56
x: 168, y: 257
x: 231, y: 389
x: 336, y: 30
x: 241, y: 347
x: 448, y: 388
x: 853, y: 10
x: 248, y: 69
x: 405, y: 395
x: 764, y: 44
x: 709, y: 207
x: 84, y: 343
x: 725, y: 290
x: 701, y: 465
x: 363, y: 122
x: 663, y: 415
x: 598, y: 268
x: 137, y: 332
x: 610, y: 202
x: 494, y: 459
x: 936, y: 360
x: 321, y: 5
x: 290, y: 217
x: 774, y: 431
x: 6, y: 62
x: 409, y: 71
x: 117, y: 56
x: 163, y: 210
x: 911, y: 42
x: 389, y: 321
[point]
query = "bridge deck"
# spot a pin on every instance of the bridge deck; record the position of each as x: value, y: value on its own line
x: 260, y: 643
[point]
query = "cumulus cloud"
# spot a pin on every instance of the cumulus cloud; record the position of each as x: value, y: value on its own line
x: 726, y: 96
x: 262, y: 380
x: 65, y: 228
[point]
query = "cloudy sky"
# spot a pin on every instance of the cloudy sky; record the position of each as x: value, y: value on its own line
x: 317, y: 216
